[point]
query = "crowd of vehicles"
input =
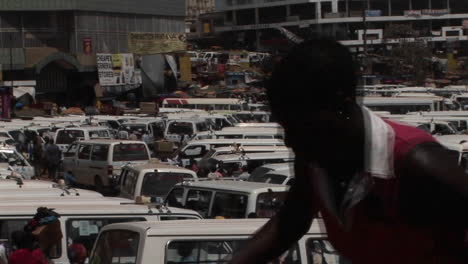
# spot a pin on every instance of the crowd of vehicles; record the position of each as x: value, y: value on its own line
x: 199, y: 159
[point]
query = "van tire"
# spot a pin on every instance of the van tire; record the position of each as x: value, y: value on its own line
x: 98, y: 185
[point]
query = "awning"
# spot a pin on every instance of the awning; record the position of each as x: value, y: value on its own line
x: 38, y: 58
x: 22, y: 90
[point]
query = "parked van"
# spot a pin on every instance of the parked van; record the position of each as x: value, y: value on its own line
x: 243, y: 133
x: 81, y: 219
x: 197, y: 149
x: 458, y: 146
x: 234, y: 165
x: 263, y: 125
x: 231, y: 104
x: 66, y: 136
x: 229, y: 199
x: 97, y: 162
x: 155, y: 128
x: 219, y: 121
x: 215, y: 152
x: 253, y: 116
x: 189, y: 127
x: 204, y: 241
x: 153, y: 180
x: 20, y: 164
x: 258, y: 174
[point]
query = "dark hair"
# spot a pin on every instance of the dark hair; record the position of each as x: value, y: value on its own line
x: 43, y: 216
x: 22, y: 240
x: 321, y: 67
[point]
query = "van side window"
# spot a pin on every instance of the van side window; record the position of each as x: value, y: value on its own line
x: 85, y: 231
x: 229, y: 136
x: 202, y: 251
x: 84, y: 152
x: 194, y: 152
x: 229, y: 205
x: 130, y: 183
x: 158, y: 130
x: 175, y: 197
x: 116, y: 246
x: 71, y: 150
x: 201, y: 127
x: 99, y: 152
x: 199, y: 201
x: 99, y: 134
x: 123, y: 178
x: 321, y: 251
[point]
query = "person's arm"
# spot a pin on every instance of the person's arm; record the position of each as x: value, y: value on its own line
x: 286, y: 227
x: 433, y: 187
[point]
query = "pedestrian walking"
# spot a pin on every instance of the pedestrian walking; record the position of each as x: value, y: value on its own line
x: 53, y: 156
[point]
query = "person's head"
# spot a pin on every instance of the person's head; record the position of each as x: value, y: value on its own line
x: 311, y: 91
x: 77, y: 253
x: 45, y: 226
x: 46, y: 140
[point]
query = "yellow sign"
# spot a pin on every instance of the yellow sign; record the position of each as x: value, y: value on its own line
x: 155, y: 43
x: 185, y: 68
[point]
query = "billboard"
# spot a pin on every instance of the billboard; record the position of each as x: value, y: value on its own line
x: 117, y: 69
x: 156, y: 43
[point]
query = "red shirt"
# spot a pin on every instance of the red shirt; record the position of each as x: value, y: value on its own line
x: 381, y: 236
x: 26, y: 256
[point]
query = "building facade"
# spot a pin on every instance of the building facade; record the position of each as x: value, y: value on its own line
x: 253, y: 22
x: 55, y: 42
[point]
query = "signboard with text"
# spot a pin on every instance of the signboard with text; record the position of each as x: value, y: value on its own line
x: 156, y: 43
x: 117, y: 69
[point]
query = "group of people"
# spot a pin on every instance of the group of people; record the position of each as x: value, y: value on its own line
x: 37, y: 242
x: 45, y: 155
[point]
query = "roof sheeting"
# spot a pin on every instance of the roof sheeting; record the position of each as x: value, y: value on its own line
x: 153, y: 7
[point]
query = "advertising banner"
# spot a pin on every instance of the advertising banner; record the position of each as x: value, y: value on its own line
x: 156, y: 43
x: 117, y: 69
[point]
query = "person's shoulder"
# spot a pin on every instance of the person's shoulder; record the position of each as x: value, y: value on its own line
x: 407, y: 138
x: 409, y: 134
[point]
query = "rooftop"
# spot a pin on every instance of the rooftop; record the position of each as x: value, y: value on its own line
x: 204, y: 227
x: 237, y: 186
x: 154, y: 7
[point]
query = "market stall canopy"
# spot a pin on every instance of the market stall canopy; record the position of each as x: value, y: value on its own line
x: 40, y: 57
x: 22, y: 90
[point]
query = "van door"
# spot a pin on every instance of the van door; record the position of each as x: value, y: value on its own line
x: 175, y: 198
x: 81, y: 165
x: 200, y: 201
x: 99, y: 165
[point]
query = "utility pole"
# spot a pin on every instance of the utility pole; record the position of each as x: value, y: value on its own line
x: 364, y: 36
x: 11, y: 60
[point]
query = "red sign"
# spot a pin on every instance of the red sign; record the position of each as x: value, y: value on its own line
x: 87, y: 46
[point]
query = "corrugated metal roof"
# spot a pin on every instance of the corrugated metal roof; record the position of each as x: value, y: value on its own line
x: 150, y: 7
x: 18, y: 58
